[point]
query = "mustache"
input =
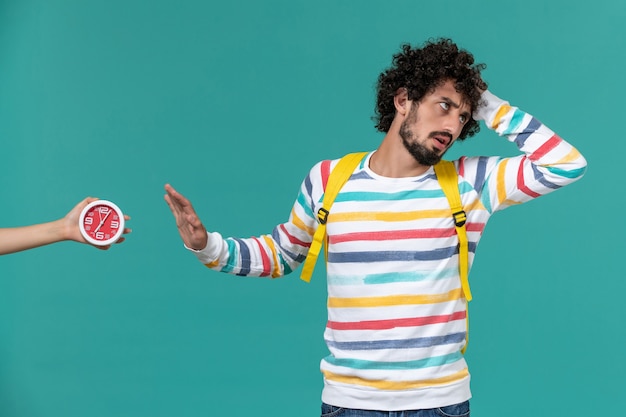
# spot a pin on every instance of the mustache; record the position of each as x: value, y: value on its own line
x: 446, y: 134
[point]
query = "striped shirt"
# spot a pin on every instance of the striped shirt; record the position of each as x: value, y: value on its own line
x: 396, y: 311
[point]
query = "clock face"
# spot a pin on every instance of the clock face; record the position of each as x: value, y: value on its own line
x: 101, y: 223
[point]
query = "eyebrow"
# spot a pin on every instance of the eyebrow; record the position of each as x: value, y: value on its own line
x: 454, y: 104
x: 451, y: 102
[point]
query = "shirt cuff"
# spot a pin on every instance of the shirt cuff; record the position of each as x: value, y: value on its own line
x: 212, y: 250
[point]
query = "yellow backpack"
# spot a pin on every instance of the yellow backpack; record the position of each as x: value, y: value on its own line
x: 448, y: 180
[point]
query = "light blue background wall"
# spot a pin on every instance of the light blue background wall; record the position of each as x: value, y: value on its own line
x: 232, y: 102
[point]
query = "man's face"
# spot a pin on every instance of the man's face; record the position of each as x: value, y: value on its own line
x: 433, y: 125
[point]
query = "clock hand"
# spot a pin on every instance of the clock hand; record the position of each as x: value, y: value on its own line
x: 102, y: 221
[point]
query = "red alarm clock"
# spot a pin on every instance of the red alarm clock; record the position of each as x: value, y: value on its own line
x: 101, y: 223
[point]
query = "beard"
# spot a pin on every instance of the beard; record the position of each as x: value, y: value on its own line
x: 421, y: 153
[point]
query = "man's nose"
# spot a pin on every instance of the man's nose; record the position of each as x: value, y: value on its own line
x: 452, y: 125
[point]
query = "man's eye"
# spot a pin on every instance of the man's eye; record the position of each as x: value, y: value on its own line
x: 444, y: 105
x: 463, y: 118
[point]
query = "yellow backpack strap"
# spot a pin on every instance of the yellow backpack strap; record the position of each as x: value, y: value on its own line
x: 337, y: 178
x: 448, y: 180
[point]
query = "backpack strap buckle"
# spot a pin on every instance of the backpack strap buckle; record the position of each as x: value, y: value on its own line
x: 322, y: 215
x: 459, y: 218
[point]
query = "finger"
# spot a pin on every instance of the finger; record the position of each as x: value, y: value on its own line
x: 174, y: 208
x: 194, y: 221
x: 85, y: 201
x: 180, y: 209
x: 171, y: 195
x: 171, y: 192
x: 177, y: 197
x: 169, y: 201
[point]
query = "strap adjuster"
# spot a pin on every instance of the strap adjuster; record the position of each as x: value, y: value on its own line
x: 322, y: 215
x: 459, y: 218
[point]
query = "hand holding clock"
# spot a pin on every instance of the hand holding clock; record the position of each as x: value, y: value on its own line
x: 15, y: 239
x: 101, y: 224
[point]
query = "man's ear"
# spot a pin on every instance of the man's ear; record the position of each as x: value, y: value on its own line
x: 401, y: 101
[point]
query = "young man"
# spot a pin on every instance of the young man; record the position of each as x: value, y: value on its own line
x: 396, y: 310
x: 17, y: 239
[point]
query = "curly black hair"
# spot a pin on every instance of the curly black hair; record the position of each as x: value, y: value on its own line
x: 421, y: 70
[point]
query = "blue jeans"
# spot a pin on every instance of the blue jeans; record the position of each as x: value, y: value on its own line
x: 456, y: 410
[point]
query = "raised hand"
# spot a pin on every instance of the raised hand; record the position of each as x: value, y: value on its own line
x: 191, y: 229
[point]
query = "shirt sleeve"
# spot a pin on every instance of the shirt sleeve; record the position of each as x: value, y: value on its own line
x: 271, y: 255
x: 548, y: 162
